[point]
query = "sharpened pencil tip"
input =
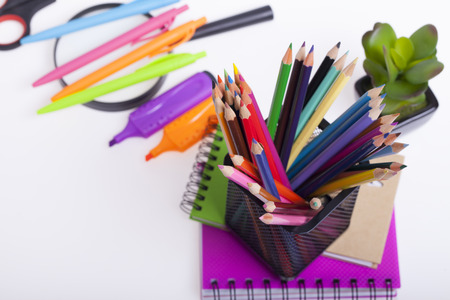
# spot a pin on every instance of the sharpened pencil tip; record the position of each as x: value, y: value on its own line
x: 219, y: 79
x: 304, y: 44
x: 290, y: 46
x: 230, y: 79
x: 402, y: 167
x: 338, y: 45
x: 312, y: 49
x: 236, y: 71
x: 148, y: 157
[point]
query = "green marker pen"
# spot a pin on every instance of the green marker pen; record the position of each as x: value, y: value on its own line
x: 154, y: 69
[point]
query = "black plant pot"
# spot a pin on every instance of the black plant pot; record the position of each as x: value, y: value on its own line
x: 413, y: 120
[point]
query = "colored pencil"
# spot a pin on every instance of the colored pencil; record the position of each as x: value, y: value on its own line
x: 264, y: 138
x: 251, y: 170
x: 232, y: 85
x: 220, y: 110
x: 363, y: 100
x: 261, y: 193
x: 236, y: 176
x: 335, y: 147
x: 236, y: 76
x: 322, y: 71
x: 297, y: 107
x: 394, y: 166
x: 289, y: 98
x: 264, y: 169
x: 330, y: 137
x: 247, y: 125
x: 351, y: 181
x: 287, y: 220
x: 280, y: 89
x: 322, y: 177
x: 388, y: 119
x: 228, y: 97
x: 221, y: 84
x: 235, y: 132
x: 216, y: 90
x: 323, y: 107
x: 395, y: 148
x: 279, y: 207
x: 320, y: 92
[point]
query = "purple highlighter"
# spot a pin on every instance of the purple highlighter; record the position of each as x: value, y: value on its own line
x: 155, y: 114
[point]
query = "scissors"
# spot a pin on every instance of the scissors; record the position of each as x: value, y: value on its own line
x: 20, y: 11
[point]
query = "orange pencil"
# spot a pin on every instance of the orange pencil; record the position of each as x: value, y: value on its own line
x: 186, y: 130
x: 160, y: 44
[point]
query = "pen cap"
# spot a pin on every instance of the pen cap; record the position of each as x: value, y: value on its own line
x: 154, y: 115
x: 187, y: 129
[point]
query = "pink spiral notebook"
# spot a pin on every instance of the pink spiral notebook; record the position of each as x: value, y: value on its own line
x: 231, y: 271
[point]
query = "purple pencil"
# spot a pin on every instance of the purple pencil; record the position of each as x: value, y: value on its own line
x: 297, y: 107
x: 336, y: 146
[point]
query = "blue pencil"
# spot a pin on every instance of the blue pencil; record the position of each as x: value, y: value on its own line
x: 388, y: 150
x: 122, y: 11
x: 330, y: 135
x: 264, y: 169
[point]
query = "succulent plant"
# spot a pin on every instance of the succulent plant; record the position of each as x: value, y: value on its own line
x: 404, y: 65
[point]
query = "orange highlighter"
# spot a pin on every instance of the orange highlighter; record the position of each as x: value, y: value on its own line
x: 186, y: 130
x: 160, y: 44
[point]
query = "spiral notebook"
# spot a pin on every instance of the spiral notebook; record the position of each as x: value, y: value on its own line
x: 231, y: 271
x: 205, y: 196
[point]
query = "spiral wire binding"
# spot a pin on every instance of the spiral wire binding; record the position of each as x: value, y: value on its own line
x: 320, y: 294
x: 204, y: 154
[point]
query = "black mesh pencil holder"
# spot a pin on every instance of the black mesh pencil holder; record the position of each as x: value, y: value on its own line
x: 287, y: 250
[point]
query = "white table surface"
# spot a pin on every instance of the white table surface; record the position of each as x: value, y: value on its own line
x: 80, y: 220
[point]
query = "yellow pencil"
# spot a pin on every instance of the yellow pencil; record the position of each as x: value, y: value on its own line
x: 320, y: 111
x: 351, y: 181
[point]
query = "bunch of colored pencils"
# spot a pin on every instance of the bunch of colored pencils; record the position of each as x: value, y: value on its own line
x: 281, y: 162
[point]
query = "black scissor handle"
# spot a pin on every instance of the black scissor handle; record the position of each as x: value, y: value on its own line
x: 20, y: 11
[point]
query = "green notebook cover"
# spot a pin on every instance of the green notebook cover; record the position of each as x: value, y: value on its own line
x: 207, y: 190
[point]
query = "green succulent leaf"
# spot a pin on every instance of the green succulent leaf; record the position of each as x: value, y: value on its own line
x: 403, y: 90
x: 373, y: 41
x: 424, y: 71
x: 404, y: 47
x: 425, y: 41
x: 398, y: 59
x: 415, y: 62
x: 390, y: 66
x: 377, y: 72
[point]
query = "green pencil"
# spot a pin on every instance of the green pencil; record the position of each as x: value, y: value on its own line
x: 321, y: 91
x: 280, y: 89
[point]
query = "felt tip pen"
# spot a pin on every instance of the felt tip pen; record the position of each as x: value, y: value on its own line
x: 157, y: 113
x: 164, y: 20
x: 186, y: 130
x: 154, y: 69
x: 160, y: 44
x: 122, y: 11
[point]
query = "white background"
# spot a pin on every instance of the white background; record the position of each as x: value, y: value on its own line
x: 80, y: 220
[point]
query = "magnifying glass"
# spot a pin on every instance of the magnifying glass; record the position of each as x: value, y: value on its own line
x: 70, y: 46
